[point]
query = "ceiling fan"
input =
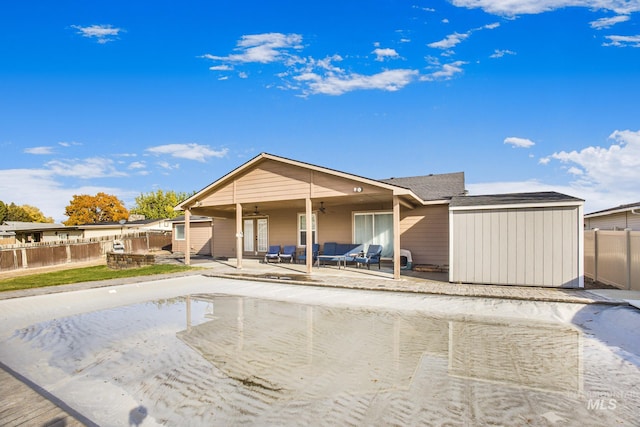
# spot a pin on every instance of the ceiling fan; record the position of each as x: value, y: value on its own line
x: 255, y: 211
x: 322, y: 208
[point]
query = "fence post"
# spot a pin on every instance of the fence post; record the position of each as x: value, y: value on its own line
x: 25, y: 263
x: 595, y: 254
x: 628, y: 256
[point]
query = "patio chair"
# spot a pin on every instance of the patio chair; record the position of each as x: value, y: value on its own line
x: 288, y: 253
x: 371, y: 257
x: 273, y: 254
x: 302, y: 256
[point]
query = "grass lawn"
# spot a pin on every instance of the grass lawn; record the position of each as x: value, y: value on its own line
x: 86, y: 274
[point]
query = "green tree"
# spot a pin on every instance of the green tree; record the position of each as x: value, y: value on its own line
x: 158, y: 204
x: 36, y: 214
x: 86, y: 209
x: 17, y: 213
x: 4, y: 212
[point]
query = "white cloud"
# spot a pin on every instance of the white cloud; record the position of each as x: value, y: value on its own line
x: 188, y: 151
x: 514, y: 141
x: 338, y: 84
x: 221, y: 68
x: 137, y: 165
x: 102, y: 33
x: 623, y: 41
x: 601, y: 23
x: 617, y: 166
x: 261, y: 48
x: 446, y: 72
x: 450, y: 41
x: 526, y: 7
x: 39, y: 150
x: 93, y: 167
x: 382, y: 54
x: 544, y: 160
x: 500, y: 53
x: 168, y: 166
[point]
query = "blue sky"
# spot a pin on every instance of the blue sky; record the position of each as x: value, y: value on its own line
x: 129, y: 97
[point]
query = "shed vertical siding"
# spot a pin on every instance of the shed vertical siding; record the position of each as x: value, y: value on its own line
x: 524, y: 246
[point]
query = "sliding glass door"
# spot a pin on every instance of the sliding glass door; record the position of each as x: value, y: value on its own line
x: 374, y: 228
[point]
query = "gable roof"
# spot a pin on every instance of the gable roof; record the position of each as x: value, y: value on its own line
x: 617, y: 209
x: 432, y: 187
x: 421, y: 189
x: 550, y: 198
x: 398, y: 190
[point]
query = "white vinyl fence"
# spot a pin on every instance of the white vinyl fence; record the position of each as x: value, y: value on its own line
x: 613, y: 258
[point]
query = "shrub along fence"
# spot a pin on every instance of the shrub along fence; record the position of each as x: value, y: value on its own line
x: 613, y: 257
x: 49, y: 254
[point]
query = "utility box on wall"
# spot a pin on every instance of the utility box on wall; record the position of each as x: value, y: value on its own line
x: 524, y: 239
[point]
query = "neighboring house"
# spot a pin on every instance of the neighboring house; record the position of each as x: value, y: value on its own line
x: 35, y: 232
x: 274, y: 200
x: 113, y: 228
x: 621, y: 217
x: 201, y: 228
x: 7, y: 237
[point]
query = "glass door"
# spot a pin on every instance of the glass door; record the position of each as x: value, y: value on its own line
x: 256, y: 236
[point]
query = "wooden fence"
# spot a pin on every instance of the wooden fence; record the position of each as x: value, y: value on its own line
x: 44, y: 254
x: 613, y: 258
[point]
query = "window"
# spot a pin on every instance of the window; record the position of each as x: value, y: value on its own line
x: 302, y: 229
x: 374, y: 228
x: 179, y: 231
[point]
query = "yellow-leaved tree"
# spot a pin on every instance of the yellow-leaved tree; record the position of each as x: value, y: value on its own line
x: 86, y: 209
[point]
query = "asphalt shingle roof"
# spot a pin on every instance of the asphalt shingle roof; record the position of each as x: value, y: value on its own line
x: 432, y: 187
x: 512, y: 199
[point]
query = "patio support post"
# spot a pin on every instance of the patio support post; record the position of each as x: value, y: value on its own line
x: 187, y: 236
x: 396, y: 237
x: 309, y: 231
x: 238, y: 236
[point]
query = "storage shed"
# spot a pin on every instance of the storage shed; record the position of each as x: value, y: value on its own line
x: 525, y: 239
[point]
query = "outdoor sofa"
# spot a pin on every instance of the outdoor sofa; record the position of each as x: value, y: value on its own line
x: 339, y: 253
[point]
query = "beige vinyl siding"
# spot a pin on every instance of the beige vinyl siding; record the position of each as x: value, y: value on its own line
x: 425, y: 232
x: 224, y: 238
x: 200, y: 236
x: 275, y: 181
x: 528, y: 246
x: 335, y: 226
x: 283, y: 227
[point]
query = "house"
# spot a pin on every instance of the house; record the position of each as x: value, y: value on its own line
x: 35, y: 232
x: 623, y: 217
x: 201, y: 228
x: 275, y: 200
